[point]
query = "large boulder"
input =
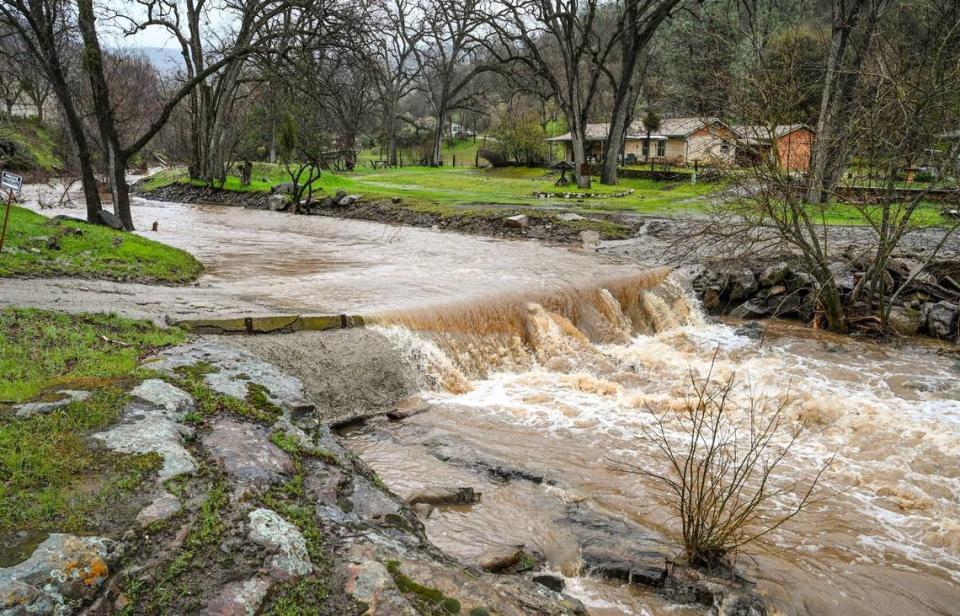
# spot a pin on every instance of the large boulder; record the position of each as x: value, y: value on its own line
x: 276, y: 202
x: 741, y: 284
x: 109, y: 219
x: 749, y: 310
x: 906, y: 321
x: 63, y: 570
x: 290, y: 560
x: 941, y: 320
x: 843, y: 276
x: 774, y: 275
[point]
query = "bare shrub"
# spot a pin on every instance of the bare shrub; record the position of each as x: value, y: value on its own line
x: 719, y: 477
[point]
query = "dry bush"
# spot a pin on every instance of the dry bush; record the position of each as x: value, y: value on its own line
x: 719, y: 478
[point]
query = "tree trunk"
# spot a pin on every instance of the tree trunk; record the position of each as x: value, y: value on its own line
x: 615, y: 137
x: 579, y: 160
x: 436, y: 154
x: 93, y: 65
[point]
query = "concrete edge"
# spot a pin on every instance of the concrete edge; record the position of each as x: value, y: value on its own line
x: 273, y: 324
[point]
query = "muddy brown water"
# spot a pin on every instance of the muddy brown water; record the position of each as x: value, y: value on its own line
x: 883, y: 536
x: 327, y: 265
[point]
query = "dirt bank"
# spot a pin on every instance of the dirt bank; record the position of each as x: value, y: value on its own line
x: 502, y: 222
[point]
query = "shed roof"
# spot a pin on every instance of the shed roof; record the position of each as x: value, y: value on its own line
x: 669, y: 127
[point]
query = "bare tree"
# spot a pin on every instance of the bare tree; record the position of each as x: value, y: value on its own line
x: 639, y: 20
x: 396, y: 53
x: 43, y: 27
x: 565, y: 45
x: 854, y: 27
x: 449, y: 59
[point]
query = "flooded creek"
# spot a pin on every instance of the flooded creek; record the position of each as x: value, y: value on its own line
x: 544, y: 428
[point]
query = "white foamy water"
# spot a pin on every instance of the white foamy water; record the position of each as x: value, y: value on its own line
x: 882, y: 537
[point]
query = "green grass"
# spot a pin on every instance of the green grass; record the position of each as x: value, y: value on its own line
x: 471, y: 191
x: 38, y: 246
x: 50, y: 476
x: 468, y: 186
x: 41, y: 350
x: 36, y: 138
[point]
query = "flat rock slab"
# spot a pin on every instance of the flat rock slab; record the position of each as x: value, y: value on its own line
x: 173, y: 400
x: 234, y: 370
x: 163, y: 506
x: 62, y: 569
x: 240, y: 598
x: 246, y: 453
x: 69, y: 396
x: 145, y: 428
x: 290, y: 560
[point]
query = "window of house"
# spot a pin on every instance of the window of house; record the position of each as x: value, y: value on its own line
x: 646, y: 148
x: 662, y: 148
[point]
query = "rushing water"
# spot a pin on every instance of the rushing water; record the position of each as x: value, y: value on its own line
x: 562, y: 390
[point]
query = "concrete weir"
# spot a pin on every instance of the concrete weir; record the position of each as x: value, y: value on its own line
x: 271, y: 324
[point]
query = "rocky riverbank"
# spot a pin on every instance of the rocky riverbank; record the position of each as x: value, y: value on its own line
x: 505, y: 222
x: 929, y: 303
x: 256, y: 508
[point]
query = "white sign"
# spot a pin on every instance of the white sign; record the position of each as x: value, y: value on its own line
x: 12, y: 182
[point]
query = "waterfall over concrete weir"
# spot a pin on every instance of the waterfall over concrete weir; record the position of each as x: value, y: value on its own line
x: 557, y: 328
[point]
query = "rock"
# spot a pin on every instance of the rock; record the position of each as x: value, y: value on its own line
x: 618, y: 548
x: 711, y: 298
x: 752, y: 330
x: 275, y: 203
x: 372, y: 504
x: 164, y: 395
x: 269, y: 530
x: 742, y: 604
x: 749, y: 310
x: 774, y: 275
x: 500, y: 558
x: 145, y: 428
x: 783, y: 305
x: 741, y: 284
x: 842, y: 276
x: 64, y: 569
x: 408, y: 407
x: 553, y: 582
x: 348, y: 200
x: 648, y: 568
x: 234, y: 370
x: 445, y: 496
x: 941, y: 320
x: 240, y: 598
x: 53, y: 242
x: 590, y: 237
x: 519, y: 221
x: 773, y: 291
x: 570, y: 217
x: 246, y: 453
x: 340, y: 194
x: 370, y: 583
x: 396, y: 200
x: 32, y: 408
x: 802, y: 280
x: 162, y: 507
x: 285, y: 188
x: 906, y: 321
x: 109, y: 219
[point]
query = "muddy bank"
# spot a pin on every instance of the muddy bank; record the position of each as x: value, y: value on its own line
x: 501, y: 222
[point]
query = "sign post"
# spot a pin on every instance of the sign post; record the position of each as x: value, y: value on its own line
x: 11, y: 183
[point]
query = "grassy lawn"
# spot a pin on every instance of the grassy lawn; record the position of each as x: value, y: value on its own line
x: 469, y: 186
x: 468, y: 189
x: 39, y: 246
x: 51, y: 478
x: 36, y: 138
